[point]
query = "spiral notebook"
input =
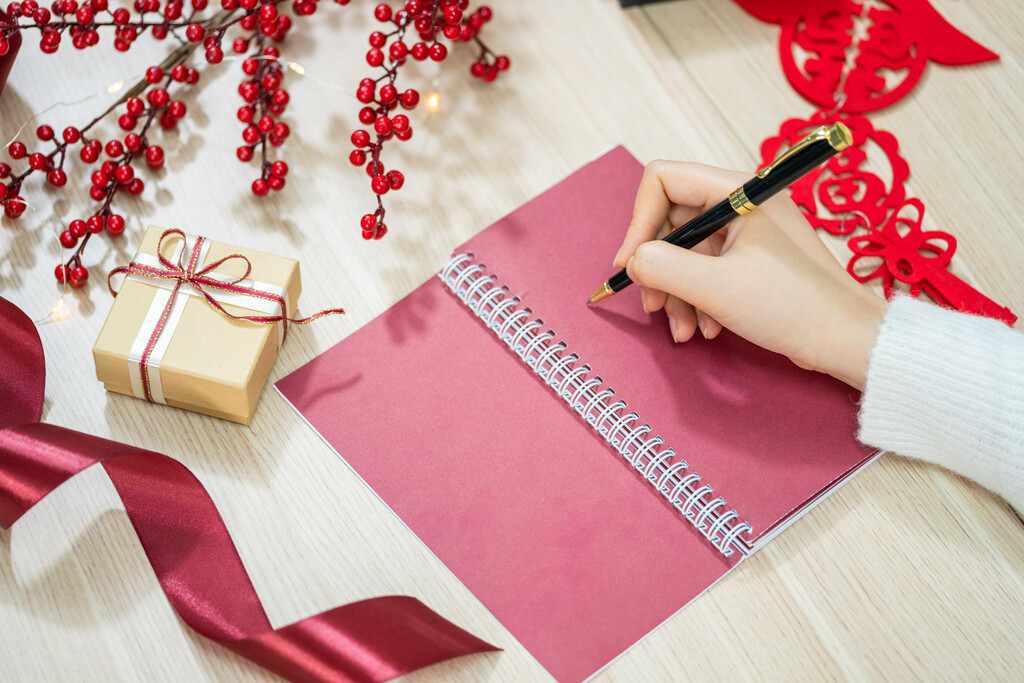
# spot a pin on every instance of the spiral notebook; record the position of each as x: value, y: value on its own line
x: 584, y: 476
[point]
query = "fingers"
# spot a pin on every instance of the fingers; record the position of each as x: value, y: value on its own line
x: 663, y: 267
x: 673, y: 183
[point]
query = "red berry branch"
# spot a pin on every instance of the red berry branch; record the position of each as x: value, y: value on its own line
x: 255, y: 25
x: 430, y: 19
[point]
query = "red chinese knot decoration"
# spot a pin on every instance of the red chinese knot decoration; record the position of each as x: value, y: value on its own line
x: 848, y: 58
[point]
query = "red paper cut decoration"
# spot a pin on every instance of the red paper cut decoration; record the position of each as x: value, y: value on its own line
x: 820, y: 38
x: 191, y: 550
x: 918, y: 258
x: 844, y: 185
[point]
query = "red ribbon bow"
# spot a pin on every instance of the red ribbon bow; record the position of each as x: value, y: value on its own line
x: 186, y: 273
x: 190, y: 549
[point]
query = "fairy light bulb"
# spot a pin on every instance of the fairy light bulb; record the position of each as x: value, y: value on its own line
x: 434, y: 101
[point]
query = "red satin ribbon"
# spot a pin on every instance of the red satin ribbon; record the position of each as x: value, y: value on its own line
x: 190, y: 549
x: 199, y: 278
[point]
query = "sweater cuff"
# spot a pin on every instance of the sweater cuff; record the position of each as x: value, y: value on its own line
x: 948, y: 388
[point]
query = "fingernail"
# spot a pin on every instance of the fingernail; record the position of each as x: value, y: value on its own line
x: 643, y: 299
x: 703, y: 325
x: 629, y: 268
x: 672, y: 326
x: 617, y: 255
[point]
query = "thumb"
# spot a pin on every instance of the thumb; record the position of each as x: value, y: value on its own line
x: 667, y: 268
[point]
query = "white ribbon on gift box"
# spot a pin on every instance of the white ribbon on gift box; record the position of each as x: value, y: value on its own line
x: 163, y: 294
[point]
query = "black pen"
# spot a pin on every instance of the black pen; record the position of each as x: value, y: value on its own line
x: 814, y: 149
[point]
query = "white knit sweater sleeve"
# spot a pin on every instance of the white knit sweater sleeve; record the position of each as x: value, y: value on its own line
x: 949, y: 388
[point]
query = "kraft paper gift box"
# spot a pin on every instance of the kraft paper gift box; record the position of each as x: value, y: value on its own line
x: 201, y: 360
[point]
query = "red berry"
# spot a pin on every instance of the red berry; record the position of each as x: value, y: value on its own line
x: 57, y: 177
x: 154, y: 156
x: 382, y: 125
x: 37, y: 161
x: 194, y: 33
x: 388, y: 93
x: 115, y: 225
x: 281, y: 130
x: 377, y: 39
x: 398, y: 50
x: 419, y: 51
x: 279, y: 169
x: 77, y: 228
x: 135, y: 106
x: 5, y: 170
x: 79, y: 275
x: 214, y: 55
x: 177, y: 109
x: 400, y: 122
x: 502, y: 63
x: 259, y: 187
x: 108, y: 167
x: 404, y: 135
x: 114, y: 149
x: 17, y: 150
x: 357, y: 157
x: 381, y: 231
x: 374, y: 168
x: 154, y: 74
x: 268, y: 13
x: 410, y: 98
x: 438, y: 52
x: 132, y: 142
x: 360, y: 138
x: 126, y: 121
x: 136, y: 186
x: 368, y: 222
x: 67, y: 240
x: 244, y: 153
x: 380, y: 184
x: 15, y: 206
x: 374, y: 57
x: 124, y: 174
x: 382, y: 12
x: 395, y: 179
x: 367, y: 115
x: 266, y: 124
x: 100, y: 179
x: 158, y: 97
x: 179, y: 73
x: 62, y: 273
x: 477, y: 69
x: 280, y: 97
x: 89, y: 154
x: 250, y: 135
x: 44, y: 133
x: 275, y: 183
x: 452, y: 15
x: 95, y: 223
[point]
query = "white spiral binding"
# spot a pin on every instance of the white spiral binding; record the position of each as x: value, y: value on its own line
x: 561, y: 370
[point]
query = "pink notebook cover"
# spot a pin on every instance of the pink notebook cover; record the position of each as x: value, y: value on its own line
x: 555, y: 533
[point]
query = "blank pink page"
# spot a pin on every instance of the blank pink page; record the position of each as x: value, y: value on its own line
x: 554, y: 532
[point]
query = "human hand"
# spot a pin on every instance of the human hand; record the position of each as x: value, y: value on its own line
x: 766, y: 276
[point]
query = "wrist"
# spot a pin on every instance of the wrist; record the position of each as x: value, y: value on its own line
x: 863, y: 320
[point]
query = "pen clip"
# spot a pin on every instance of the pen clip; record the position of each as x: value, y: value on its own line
x: 819, y: 133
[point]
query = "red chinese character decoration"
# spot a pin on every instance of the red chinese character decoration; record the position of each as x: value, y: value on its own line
x: 889, y: 52
x: 848, y: 58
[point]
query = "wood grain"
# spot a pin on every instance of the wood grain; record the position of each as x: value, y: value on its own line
x: 907, y: 572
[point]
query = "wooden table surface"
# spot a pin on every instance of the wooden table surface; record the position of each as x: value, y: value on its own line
x: 907, y: 572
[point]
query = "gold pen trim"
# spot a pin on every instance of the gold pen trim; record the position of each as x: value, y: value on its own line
x: 739, y: 202
x: 603, y: 292
x: 837, y: 135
